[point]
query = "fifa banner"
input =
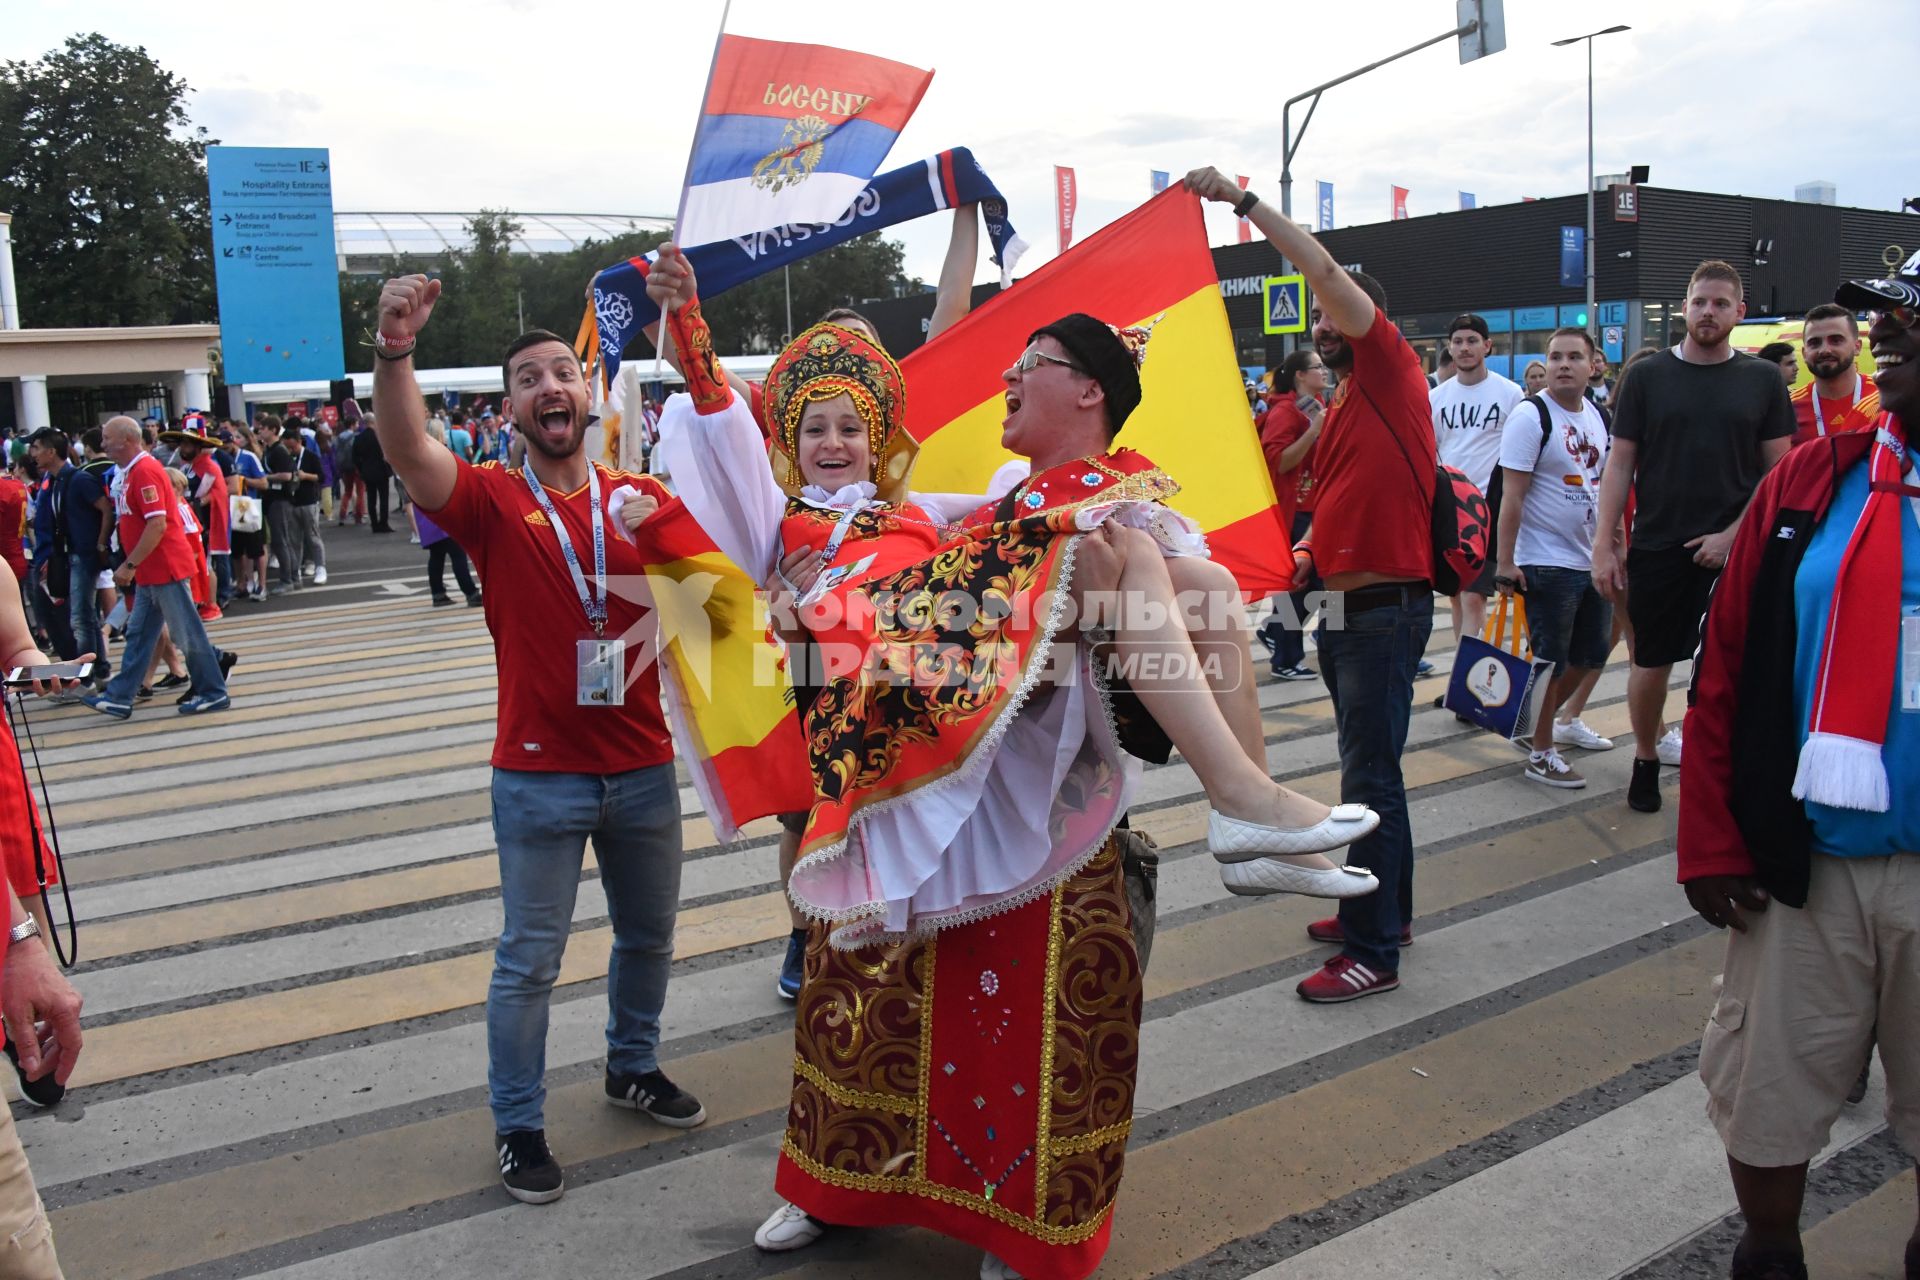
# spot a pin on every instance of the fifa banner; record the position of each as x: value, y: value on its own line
x: 1152, y: 266
x: 621, y: 308
x: 790, y: 133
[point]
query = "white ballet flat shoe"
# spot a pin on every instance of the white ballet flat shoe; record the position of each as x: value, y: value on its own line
x: 1232, y: 840
x: 1261, y: 876
x: 786, y: 1228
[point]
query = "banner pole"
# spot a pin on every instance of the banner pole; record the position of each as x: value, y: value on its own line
x: 686, y: 179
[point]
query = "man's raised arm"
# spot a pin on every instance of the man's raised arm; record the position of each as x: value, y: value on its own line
x: 399, y: 414
x: 1339, y: 298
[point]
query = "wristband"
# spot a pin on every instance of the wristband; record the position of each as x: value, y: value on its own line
x: 1244, y: 205
x: 383, y: 343
x: 402, y: 354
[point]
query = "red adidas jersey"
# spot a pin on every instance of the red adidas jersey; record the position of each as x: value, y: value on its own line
x: 1831, y: 417
x: 535, y: 616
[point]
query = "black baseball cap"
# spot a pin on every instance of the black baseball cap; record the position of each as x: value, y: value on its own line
x: 1901, y: 289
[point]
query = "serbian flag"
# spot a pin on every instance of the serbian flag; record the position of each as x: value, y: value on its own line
x: 723, y: 678
x: 1152, y: 266
x: 790, y: 133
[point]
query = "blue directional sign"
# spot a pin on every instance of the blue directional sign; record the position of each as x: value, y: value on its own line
x: 1573, y: 257
x: 1286, y: 301
x: 274, y: 265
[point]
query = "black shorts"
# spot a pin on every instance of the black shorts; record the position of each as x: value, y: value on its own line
x: 251, y: 544
x: 1667, y: 596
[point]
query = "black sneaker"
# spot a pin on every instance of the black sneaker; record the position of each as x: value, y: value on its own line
x: 527, y: 1167
x: 1643, y: 793
x: 44, y: 1092
x: 143, y: 693
x: 441, y: 602
x: 658, y: 1096
x: 171, y: 681
x: 227, y: 658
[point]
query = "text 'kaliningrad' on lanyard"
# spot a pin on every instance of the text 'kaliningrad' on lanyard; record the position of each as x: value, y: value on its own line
x: 595, y: 605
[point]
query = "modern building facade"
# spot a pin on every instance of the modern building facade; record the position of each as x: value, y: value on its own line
x: 1504, y: 261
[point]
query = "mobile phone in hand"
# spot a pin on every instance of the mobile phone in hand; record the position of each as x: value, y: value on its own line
x: 24, y: 677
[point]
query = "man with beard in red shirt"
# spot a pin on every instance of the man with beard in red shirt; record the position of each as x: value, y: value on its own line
x: 1840, y: 397
x: 1374, y: 469
x: 582, y: 749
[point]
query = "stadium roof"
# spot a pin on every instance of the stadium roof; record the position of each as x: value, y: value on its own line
x: 365, y: 237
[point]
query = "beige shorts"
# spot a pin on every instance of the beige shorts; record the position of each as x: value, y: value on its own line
x: 1807, y: 992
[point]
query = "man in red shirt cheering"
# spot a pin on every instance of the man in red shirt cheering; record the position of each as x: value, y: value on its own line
x: 1374, y: 472
x: 582, y: 748
x: 160, y: 565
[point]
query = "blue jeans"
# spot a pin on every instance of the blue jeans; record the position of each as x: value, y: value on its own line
x: 83, y: 609
x: 222, y: 577
x: 541, y: 822
x: 168, y: 605
x: 1368, y: 667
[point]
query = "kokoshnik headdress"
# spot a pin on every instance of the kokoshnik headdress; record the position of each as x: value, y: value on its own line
x: 828, y: 361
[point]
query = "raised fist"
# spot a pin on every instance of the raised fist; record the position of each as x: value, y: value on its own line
x: 1211, y: 184
x: 405, y: 304
x: 670, y: 281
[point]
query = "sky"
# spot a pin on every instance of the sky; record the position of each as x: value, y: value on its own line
x: 590, y: 106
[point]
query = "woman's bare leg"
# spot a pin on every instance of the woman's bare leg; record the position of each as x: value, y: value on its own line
x: 1157, y: 656
x: 1217, y: 625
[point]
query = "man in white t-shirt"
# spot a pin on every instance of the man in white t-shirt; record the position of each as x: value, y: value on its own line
x: 1469, y: 410
x: 1551, y: 478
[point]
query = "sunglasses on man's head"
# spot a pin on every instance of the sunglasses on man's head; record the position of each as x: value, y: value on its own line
x: 1030, y: 360
x: 1905, y: 317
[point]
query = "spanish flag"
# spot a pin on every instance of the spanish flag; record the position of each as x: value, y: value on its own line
x: 723, y: 678
x: 1151, y: 267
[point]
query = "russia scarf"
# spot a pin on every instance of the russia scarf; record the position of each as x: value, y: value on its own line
x: 621, y: 308
x: 1841, y: 764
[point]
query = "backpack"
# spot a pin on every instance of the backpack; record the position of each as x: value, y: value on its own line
x: 1458, y: 519
x: 1539, y: 404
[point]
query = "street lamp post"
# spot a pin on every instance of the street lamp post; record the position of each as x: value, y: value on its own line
x: 1593, y: 315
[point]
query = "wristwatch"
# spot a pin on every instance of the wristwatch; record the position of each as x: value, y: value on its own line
x: 28, y: 928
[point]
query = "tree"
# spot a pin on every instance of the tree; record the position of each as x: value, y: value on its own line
x: 106, y: 179
x: 490, y: 290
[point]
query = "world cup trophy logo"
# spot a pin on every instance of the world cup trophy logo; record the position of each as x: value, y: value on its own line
x: 801, y: 146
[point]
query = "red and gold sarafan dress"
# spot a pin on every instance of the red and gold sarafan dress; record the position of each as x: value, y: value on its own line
x: 968, y: 1031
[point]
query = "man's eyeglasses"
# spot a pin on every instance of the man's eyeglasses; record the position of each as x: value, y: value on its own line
x: 1030, y: 360
x: 1905, y: 317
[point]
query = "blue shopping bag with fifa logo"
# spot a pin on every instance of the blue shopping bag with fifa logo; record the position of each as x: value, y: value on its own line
x: 1496, y: 684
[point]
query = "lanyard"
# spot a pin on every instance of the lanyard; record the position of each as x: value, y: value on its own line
x: 1819, y: 415
x: 596, y: 607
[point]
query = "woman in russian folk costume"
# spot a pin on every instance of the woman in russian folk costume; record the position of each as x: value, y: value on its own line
x: 968, y: 1028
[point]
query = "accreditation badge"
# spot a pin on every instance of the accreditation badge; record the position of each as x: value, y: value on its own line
x: 600, y: 668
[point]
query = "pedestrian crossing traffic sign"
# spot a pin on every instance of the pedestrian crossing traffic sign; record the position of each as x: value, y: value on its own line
x: 1286, y: 302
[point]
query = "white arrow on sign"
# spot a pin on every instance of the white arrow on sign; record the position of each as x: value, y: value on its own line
x: 399, y: 589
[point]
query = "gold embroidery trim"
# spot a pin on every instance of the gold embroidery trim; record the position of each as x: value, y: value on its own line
x: 1043, y: 1125
x: 1090, y: 1141
x: 1078, y: 1233
x: 927, y: 956
x: 851, y: 1097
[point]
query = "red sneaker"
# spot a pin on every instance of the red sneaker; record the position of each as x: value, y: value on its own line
x: 1343, y: 978
x: 1329, y: 930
